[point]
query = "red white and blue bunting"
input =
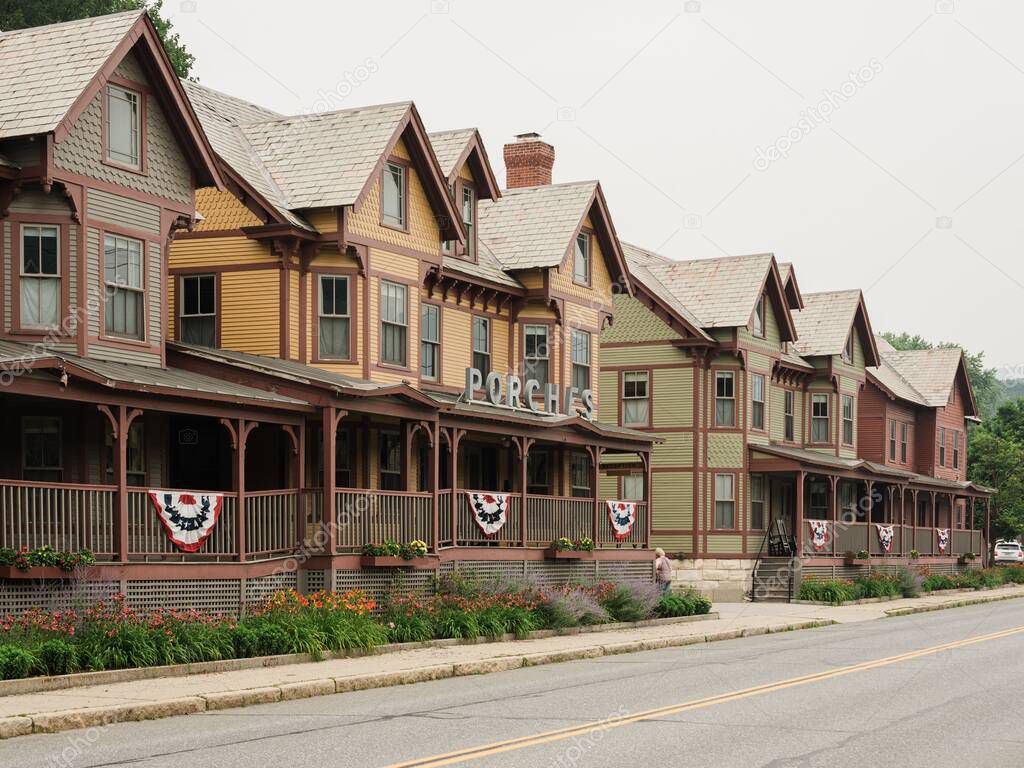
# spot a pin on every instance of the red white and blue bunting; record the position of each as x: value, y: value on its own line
x: 187, y: 518
x: 886, y: 533
x: 622, y: 515
x: 943, y: 536
x: 819, y: 534
x: 490, y: 510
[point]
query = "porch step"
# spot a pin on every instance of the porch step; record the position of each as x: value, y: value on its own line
x: 771, y: 580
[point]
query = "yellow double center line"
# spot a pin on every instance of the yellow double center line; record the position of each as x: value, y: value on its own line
x: 474, y: 753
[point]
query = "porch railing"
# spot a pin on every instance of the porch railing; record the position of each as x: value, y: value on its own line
x: 637, y: 536
x: 468, y: 533
x: 854, y: 537
x: 271, y: 523
x: 551, y: 517
x: 63, y: 516
x: 371, y: 517
x: 147, y: 539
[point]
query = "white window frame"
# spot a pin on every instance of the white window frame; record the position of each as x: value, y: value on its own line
x: 430, y: 346
x: 133, y: 158
x: 636, y: 395
x: 581, y: 341
x: 401, y: 219
x: 113, y: 288
x: 399, y: 322
x: 942, y: 446
x: 725, y: 505
x: 468, y: 197
x: 904, y: 430
x: 848, y: 421
x: 730, y: 399
x: 541, y: 352
x: 789, y: 415
x: 817, y: 418
x: 481, y: 343
x: 758, y: 501
x: 334, y: 315
x: 629, y: 487
x: 37, y: 279
x: 758, y: 409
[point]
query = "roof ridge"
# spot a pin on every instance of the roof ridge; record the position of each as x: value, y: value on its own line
x: 85, y: 19
x: 226, y: 95
x: 517, y: 190
x: 260, y: 166
x: 306, y: 116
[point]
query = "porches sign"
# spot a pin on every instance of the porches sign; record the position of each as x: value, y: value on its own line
x: 509, y: 391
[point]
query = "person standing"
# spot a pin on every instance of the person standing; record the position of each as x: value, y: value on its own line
x: 662, y: 571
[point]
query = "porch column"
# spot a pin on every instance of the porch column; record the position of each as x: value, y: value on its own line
x: 833, y: 482
x: 988, y: 527
x: 931, y: 537
x: 870, y: 486
x: 330, y: 418
x: 799, y: 533
x: 239, y: 430
x: 454, y: 438
x: 595, y: 479
x: 523, y: 445
x: 913, y: 516
x: 297, y: 434
x: 645, y: 458
x: 435, y: 475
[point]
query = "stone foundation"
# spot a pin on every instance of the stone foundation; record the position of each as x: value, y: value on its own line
x: 722, y: 580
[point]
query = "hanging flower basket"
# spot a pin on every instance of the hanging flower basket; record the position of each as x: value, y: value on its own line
x: 390, y: 561
x: 35, y: 572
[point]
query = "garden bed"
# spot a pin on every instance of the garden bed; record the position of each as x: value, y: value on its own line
x: 882, y: 587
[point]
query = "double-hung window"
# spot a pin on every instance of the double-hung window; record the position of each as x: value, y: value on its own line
x: 904, y: 428
x: 725, y: 502
x: 848, y: 349
x: 394, y: 196
x: 759, y: 317
x: 40, y: 276
x: 581, y: 262
x: 41, y: 449
x: 820, y: 425
x: 390, y: 461
x: 125, y: 302
x: 956, y: 449
x: 817, y: 498
x: 482, y: 344
x: 536, y: 353
x: 135, y: 467
x: 725, y: 399
x: 892, y: 439
x: 581, y: 475
x: 847, y: 502
x: 538, y: 472
x: 757, y: 401
x: 394, y: 324
x: 636, y: 398
x: 124, y: 126
x: 580, y: 360
x: 469, y: 221
x: 335, y: 319
x: 847, y: 420
x: 789, y: 421
x: 757, y: 502
x: 430, y: 341
x: 942, y: 446
x: 633, y: 487
x: 198, y: 321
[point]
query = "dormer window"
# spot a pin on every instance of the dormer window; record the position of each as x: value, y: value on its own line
x: 394, y: 196
x: 40, y: 276
x: 759, y: 317
x: 124, y: 127
x: 848, y: 349
x: 581, y: 261
x: 469, y: 220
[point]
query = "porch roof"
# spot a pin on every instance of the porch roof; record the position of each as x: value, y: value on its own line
x: 15, y: 356
x: 866, y: 470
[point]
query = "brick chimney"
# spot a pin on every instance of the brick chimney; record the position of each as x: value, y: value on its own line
x: 528, y: 161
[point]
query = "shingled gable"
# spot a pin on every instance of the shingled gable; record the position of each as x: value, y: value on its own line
x: 826, y: 321
x: 656, y: 296
x: 790, y: 285
x: 460, y: 147
x: 536, y: 227
x: 49, y: 75
x: 924, y: 377
x: 723, y: 292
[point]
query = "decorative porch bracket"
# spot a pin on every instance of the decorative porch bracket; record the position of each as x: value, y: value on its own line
x: 120, y: 423
x: 239, y: 431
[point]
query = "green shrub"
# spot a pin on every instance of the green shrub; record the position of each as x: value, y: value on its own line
x: 631, y: 601
x: 259, y: 637
x: 833, y: 591
x: 58, y: 657
x: 689, y: 603
x: 456, y: 623
x: 17, y: 662
x: 907, y: 581
x: 1013, y: 574
x: 877, y: 585
x: 937, y: 581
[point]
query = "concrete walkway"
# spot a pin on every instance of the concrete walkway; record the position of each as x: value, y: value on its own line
x: 163, y: 697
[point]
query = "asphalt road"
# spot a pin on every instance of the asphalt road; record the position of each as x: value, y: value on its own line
x: 820, y: 698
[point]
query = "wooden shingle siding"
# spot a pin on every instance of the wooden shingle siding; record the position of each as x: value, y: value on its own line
x: 725, y: 450
x: 167, y: 171
x: 5, y: 245
x: 111, y: 208
x: 634, y: 322
x: 222, y: 211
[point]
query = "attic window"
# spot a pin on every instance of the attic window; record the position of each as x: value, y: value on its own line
x: 469, y: 220
x: 393, y: 196
x: 581, y: 262
x: 759, y: 317
x: 123, y: 127
x: 848, y: 349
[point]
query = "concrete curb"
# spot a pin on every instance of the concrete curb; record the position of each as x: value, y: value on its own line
x: 109, y: 677
x: 955, y: 604
x: 52, y: 722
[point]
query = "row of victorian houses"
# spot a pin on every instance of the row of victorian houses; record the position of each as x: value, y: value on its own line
x: 238, y: 346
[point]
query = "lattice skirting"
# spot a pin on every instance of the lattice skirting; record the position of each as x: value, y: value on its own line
x: 852, y: 571
x: 226, y: 596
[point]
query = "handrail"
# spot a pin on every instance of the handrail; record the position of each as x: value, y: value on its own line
x: 753, y: 573
x: 59, y: 486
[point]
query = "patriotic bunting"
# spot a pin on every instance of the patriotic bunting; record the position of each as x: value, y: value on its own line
x: 819, y: 534
x: 622, y: 515
x: 943, y: 534
x: 187, y: 518
x: 885, y: 536
x: 490, y: 510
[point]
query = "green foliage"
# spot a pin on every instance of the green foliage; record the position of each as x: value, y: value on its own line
x: 688, y: 603
x: 996, y: 460
x: 57, y: 657
x: 833, y: 591
x: 17, y: 662
x: 46, y: 557
x: 631, y: 601
x: 391, y: 548
x: 877, y: 585
x: 17, y: 14
x: 937, y: 581
x: 908, y: 583
x: 565, y: 544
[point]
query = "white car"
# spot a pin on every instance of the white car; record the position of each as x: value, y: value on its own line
x: 1009, y: 552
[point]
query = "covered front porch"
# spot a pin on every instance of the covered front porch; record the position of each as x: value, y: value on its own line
x: 825, y: 509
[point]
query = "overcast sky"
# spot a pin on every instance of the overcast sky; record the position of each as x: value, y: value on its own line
x: 874, y: 144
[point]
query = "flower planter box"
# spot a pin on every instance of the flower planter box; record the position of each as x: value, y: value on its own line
x: 568, y: 554
x: 385, y: 561
x: 35, y: 572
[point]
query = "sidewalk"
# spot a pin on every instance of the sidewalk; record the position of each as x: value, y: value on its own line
x: 164, y: 697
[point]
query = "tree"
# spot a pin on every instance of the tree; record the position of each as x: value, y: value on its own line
x: 19, y: 14
x: 989, y: 391
x: 998, y: 462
